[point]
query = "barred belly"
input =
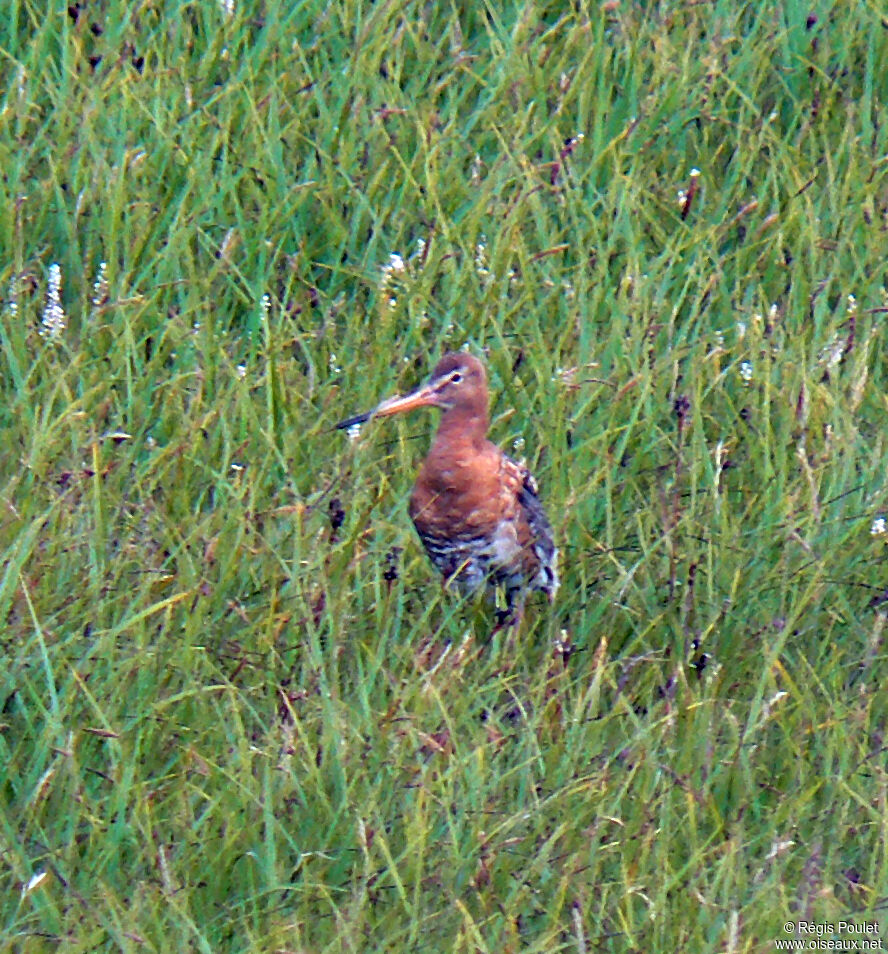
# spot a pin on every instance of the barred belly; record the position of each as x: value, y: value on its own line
x: 472, y: 562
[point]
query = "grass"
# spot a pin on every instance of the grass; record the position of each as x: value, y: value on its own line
x: 238, y: 713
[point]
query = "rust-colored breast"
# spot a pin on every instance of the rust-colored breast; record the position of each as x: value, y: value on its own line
x: 479, y: 517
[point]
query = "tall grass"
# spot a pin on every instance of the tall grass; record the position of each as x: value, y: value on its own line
x: 238, y: 712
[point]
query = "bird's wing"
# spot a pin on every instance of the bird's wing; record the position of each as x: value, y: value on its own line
x: 536, y: 533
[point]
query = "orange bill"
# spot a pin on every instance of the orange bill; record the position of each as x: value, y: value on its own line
x: 423, y: 397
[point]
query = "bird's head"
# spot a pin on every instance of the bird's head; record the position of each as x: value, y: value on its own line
x: 458, y: 384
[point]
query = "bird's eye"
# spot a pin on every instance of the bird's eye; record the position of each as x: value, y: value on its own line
x: 455, y: 378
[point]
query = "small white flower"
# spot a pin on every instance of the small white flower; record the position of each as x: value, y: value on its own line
x: 265, y: 308
x: 852, y: 305
x: 879, y: 528
x: 741, y: 330
x: 354, y: 432
x: 695, y: 173
x: 238, y: 468
x: 518, y: 445
x: 54, y: 320
x: 241, y: 371
x: 100, y: 286
x: 395, y: 264
x: 746, y: 371
x: 227, y: 8
x: 481, y: 264
x: 831, y: 356
x: 334, y: 367
x: 12, y: 297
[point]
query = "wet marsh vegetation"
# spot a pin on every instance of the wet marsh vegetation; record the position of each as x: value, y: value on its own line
x: 237, y: 711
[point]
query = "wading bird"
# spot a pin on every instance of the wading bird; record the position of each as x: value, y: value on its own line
x: 477, y: 511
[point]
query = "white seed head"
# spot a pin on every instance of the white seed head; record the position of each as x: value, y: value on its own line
x: 394, y: 265
x: 54, y: 320
x: 12, y: 297
x: 481, y: 263
x: 831, y: 356
x: 100, y: 286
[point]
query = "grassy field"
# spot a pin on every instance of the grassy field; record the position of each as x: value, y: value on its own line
x: 238, y: 713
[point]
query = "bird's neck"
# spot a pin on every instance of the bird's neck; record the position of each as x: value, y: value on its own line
x: 461, y: 427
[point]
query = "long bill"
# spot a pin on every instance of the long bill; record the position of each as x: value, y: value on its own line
x: 422, y: 397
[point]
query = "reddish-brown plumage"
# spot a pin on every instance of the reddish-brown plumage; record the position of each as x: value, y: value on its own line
x: 476, y: 510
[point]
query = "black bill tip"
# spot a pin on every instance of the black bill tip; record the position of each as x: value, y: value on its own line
x: 353, y: 421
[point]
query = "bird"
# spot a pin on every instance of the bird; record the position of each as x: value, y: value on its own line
x: 477, y: 512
